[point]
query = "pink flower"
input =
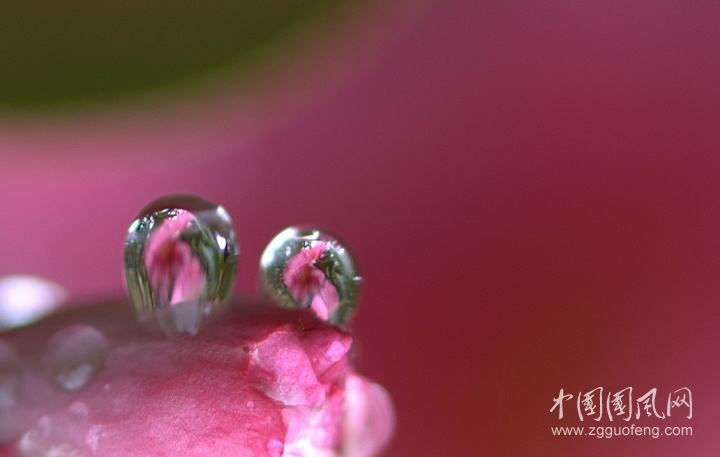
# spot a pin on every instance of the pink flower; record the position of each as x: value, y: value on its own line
x: 175, y: 274
x: 369, y: 421
x: 308, y: 284
x: 263, y: 383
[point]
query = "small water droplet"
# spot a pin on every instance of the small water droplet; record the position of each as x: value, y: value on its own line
x: 308, y: 268
x: 79, y: 411
x: 180, y: 260
x: 93, y: 436
x: 63, y: 450
x: 53, y: 437
x: 74, y: 355
x: 274, y: 448
x: 250, y: 404
x: 31, y: 442
x: 40, y: 442
x: 336, y: 351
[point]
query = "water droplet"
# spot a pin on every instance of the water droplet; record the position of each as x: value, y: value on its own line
x: 93, y: 436
x: 274, y: 448
x: 44, y: 440
x: 336, y: 351
x: 79, y: 411
x: 9, y: 373
x: 27, y: 299
x: 31, y: 442
x: 180, y: 262
x: 306, y: 268
x: 74, y: 355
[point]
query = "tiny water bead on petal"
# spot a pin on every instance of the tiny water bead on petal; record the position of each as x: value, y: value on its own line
x: 74, y: 355
x: 180, y: 261
x: 308, y: 268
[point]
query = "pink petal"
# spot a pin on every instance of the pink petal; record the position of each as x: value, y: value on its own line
x: 258, y: 383
x: 325, y: 303
x: 172, y: 268
x: 369, y: 417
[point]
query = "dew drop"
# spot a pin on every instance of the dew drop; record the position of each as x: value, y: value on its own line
x: 44, y: 441
x: 31, y: 442
x: 79, y: 411
x: 180, y: 261
x: 74, y: 355
x: 307, y: 268
x: 274, y: 448
x: 63, y: 450
x: 93, y: 436
x: 336, y: 351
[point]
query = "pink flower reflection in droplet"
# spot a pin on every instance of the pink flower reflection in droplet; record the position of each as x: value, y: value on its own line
x: 308, y: 284
x: 173, y: 271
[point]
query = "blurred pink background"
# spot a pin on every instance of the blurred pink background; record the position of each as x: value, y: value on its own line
x: 531, y: 190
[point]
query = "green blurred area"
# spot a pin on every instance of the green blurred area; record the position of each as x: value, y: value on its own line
x: 55, y: 54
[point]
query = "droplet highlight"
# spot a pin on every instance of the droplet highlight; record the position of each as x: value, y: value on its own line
x: 93, y: 437
x: 308, y: 268
x: 74, y: 356
x: 79, y: 411
x: 274, y: 448
x: 180, y: 261
x: 27, y: 299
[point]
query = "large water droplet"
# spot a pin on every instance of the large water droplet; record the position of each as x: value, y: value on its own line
x: 74, y: 355
x: 180, y: 260
x: 307, y: 268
